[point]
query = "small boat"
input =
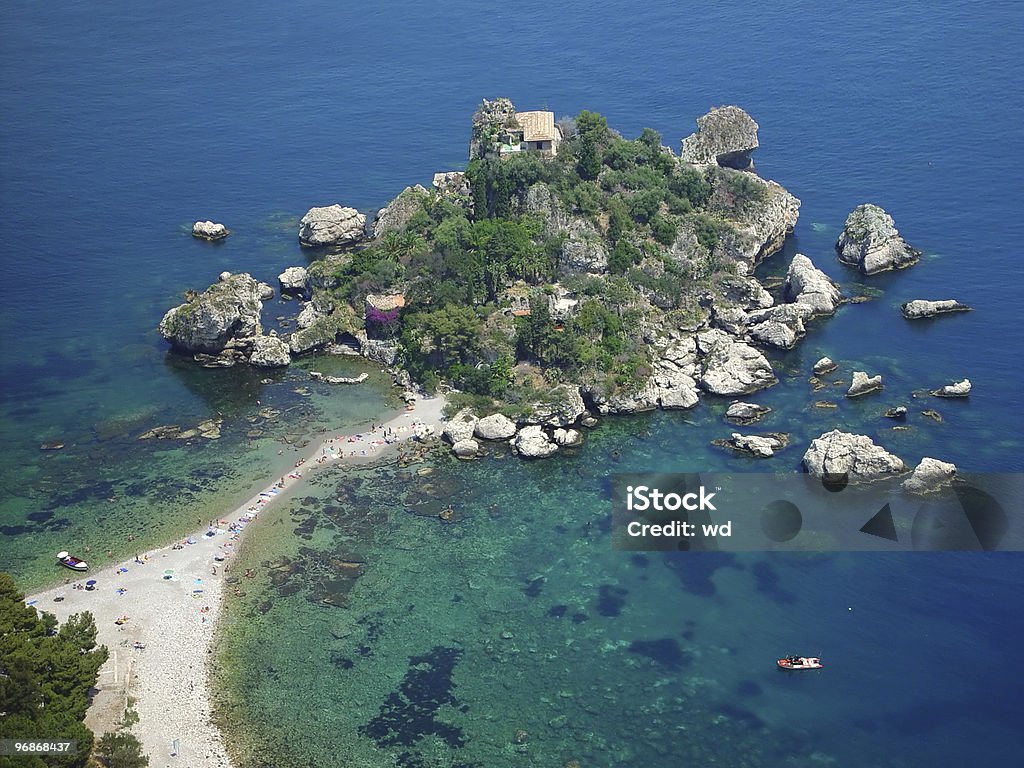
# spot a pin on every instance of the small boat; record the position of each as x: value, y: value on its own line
x: 72, y: 562
x: 800, y: 662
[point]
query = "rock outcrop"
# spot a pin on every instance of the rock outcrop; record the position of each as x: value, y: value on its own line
x: 561, y: 407
x: 957, y: 389
x: 532, y: 442
x: 396, y: 214
x: 921, y: 308
x: 863, y: 384
x: 208, y: 230
x: 871, y: 243
x: 584, y: 249
x: 228, y: 311
x: 294, y: 281
x: 806, y: 284
x: 732, y: 367
x: 497, y: 426
x: 930, y: 475
x: 781, y: 326
x: 460, y: 426
x: 725, y: 136
x: 331, y: 225
x: 759, y: 229
x: 451, y: 183
x: 488, y: 120
x: 896, y: 412
x: 840, y: 455
x: 269, y: 352
x: 746, y: 413
x: 824, y: 365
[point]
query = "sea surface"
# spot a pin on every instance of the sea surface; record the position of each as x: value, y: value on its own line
x: 374, y: 634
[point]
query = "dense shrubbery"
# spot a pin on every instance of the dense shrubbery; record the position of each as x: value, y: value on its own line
x: 662, y: 223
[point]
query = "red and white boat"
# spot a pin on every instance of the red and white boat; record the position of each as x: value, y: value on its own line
x: 800, y: 662
x: 72, y: 562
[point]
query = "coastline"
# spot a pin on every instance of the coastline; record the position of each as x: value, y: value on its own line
x: 173, y: 597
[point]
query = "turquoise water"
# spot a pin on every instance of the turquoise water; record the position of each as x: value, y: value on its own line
x: 125, y: 123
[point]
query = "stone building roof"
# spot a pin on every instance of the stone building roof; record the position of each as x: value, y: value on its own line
x: 538, y: 126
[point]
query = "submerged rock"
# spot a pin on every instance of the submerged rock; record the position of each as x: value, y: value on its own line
x: 758, y: 446
x: 823, y: 366
x: 227, y: 311
x: 208, y: 230
x: 958, y: 389
x: 725, y: 136
x: 930, y: 475
x: 855, y: 458
x: 746, y: 413
x: 871, y: 243
x: 920, y: 308
x: 863, y: 384
x: 331, y: 225
x: 269, y: 352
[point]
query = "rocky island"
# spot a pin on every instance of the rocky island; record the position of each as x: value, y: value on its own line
x: 566, y: 273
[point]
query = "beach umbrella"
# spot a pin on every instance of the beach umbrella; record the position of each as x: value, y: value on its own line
x: 90, y: 582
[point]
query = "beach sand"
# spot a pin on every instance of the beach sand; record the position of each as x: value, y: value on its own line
x: 172, y: 599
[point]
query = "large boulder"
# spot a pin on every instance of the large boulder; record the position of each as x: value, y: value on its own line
x: 806, y: 284
x: 919, y: 308
x: 930, y: 475
x: 854, y: 458
x: 862, y: 384
x: 294, y: 281
x: 269, y: 352
x: 497, y: 426
x: 725, y: 136
x: 460, y: 426
x: 824, y: 365
x: 227, y: 311
x: 731, y: 367
x: 957, y: 389
x: 567, y: 437
x: 871, y: 243
x: 395, y: 215
x: 331, y: 225
x: 532, y: 442
x: 323, y: 330
x: 466, y: 449
x: 208, y: 230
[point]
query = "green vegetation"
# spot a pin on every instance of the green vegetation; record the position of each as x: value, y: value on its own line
x: 46, y: 672
x: 494, y: 292
x: 120, y: 750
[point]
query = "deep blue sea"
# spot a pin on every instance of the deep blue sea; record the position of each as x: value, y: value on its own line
x: 124, y: 122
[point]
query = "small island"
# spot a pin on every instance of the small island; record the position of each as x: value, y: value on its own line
x: 567, y: 273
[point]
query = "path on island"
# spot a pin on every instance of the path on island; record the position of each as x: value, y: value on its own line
x: 172, y: 599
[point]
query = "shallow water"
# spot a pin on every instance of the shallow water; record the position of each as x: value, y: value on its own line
x: 125, y: 123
